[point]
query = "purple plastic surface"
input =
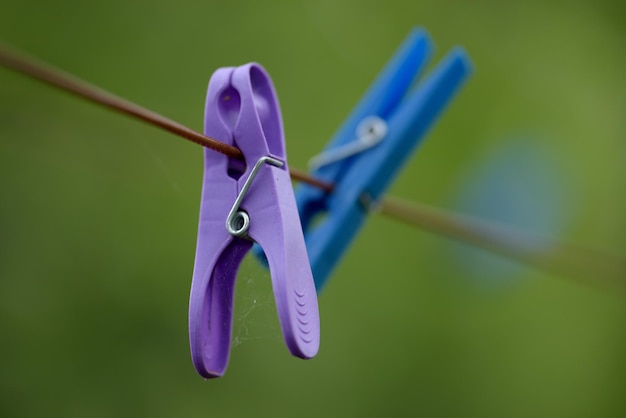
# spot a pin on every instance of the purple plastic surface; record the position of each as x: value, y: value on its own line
x: 242, y: 110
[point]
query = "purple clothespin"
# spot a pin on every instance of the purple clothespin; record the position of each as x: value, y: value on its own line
x: 242, y: 203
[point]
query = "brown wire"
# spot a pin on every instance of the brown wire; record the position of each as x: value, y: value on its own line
x: 562, y: 258
x: 548, y: 254
x: 56, y: 77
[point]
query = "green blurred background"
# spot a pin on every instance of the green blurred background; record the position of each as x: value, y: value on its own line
x: 98, y: 215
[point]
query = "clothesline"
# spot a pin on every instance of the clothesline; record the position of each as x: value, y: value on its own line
x: 558, y: 257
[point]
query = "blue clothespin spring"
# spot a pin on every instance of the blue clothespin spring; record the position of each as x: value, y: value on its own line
x: 371, y: 147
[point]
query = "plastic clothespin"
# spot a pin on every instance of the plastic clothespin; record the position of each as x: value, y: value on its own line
x: 242, y: 203
x: 372, y: 146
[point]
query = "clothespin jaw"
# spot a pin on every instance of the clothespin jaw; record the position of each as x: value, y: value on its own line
x: 361, y: 179
x: 245, y: 202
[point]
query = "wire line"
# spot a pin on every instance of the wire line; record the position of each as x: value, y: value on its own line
x: 558, y: 257
x: 56, y: 77
x: 542, y: 252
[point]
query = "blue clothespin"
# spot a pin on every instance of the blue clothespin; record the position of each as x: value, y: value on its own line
x: 371, y: 147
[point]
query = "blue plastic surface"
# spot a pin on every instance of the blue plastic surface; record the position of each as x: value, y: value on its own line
x: 332, y: 220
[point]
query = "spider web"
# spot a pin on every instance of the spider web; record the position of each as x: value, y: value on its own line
x: 255, y: 313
